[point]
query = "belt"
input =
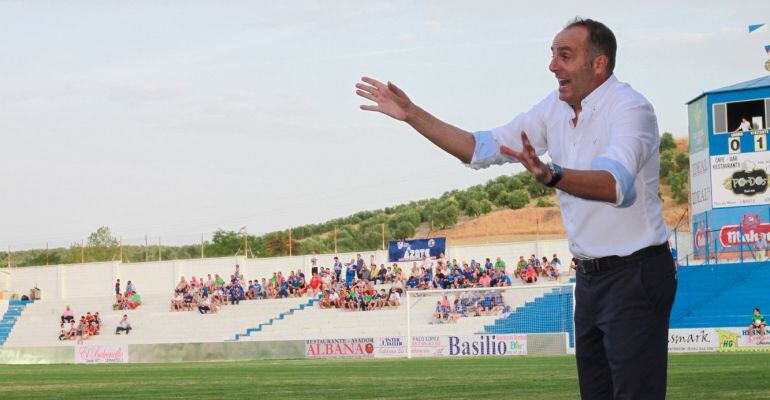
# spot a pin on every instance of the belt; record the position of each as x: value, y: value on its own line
x: 607, y: 263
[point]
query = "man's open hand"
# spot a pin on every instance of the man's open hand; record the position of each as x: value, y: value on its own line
x: 528, y: 158
x: 390, y: 100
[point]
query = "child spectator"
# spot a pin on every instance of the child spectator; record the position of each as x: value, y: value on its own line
x: 123, y: 326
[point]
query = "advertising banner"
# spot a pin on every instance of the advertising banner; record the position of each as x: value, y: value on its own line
x: 740, y: 179
x: 700, y: 182
x: 422, y: 346
x: 484, y: 345
x: 697, y: 126
x: 416, y: 249
x: 746, y: 228
x: 738, y: 339
x: 340, y: 348
x: 692, y: 340
x: 101, y: 354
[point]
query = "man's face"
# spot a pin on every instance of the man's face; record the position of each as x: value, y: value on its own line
x: 573, y: 64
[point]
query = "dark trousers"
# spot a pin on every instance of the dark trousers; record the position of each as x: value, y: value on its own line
x: 621, y: 329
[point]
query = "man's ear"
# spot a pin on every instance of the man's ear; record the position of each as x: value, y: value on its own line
x: 600, y: 64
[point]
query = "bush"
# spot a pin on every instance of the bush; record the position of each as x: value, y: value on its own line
x: 516, y: 199
x: 544, y: 202
x: 667, y: 142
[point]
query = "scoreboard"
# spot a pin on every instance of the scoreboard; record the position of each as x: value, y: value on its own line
x: 729, y: 165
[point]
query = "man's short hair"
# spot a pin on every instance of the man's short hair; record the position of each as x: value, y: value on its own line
x: 600, y: 39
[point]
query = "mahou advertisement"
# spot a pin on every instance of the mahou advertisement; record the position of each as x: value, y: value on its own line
x: 730, y: 230
x: 101, y: 354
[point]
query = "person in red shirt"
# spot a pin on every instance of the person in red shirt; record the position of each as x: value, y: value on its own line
x: 315, y: 284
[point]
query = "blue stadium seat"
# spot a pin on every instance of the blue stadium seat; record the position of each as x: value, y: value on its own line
x: 722, y: 295
x: 529, y: 318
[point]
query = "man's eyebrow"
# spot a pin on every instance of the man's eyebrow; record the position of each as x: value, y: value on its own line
x: 562, y: 48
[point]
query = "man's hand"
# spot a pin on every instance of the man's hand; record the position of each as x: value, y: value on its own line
x: 390, y: 100
x: 528, y: 158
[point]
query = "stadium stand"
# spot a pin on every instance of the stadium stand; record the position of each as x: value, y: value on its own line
x: 11, y: 314
x: 528, y: 318
x: 720, y: 295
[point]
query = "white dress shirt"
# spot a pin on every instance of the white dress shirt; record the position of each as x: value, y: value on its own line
x: 617, y: 131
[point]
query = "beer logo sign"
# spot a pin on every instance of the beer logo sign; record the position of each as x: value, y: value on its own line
x: 749, y: 181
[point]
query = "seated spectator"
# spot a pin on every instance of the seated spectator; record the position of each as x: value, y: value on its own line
x: 123, y: 326
x: 135, y: 301
x: 177, y: 301
x: 62, y: 332
x: 530, y: 274
x: 205, y: 305
x: 757, y: 323
x: 181, y: 287
x: 71, y: 332
x: 130, y: 289
x: 67, y: 315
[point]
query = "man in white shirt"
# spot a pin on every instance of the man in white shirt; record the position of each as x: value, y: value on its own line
x: 745, y: 125
x: 605, y: 135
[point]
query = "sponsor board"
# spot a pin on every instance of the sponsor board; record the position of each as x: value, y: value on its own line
x: 340, y: 348
x: 740, y: 180
x: 484, y: 345
x: 738, y: 339
x: 101, y: 354
x: 700, y: 182
x: 692, y: 340
x: 451, y: 346
x: 697, y: 126
x: 716, y: 339
x: 422, y: 346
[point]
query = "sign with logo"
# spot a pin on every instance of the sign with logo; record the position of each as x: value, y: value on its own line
x: 750, y: 231
x: 101, y: 354
x: 416, y: 249
x: 738, y: 339
x: 692, y: 340
x: 484, y: 345
x: 700, y: 182
x: 740, y: 180
x: 697, y: 126
x: 340, y: 348
x: 422, y: 346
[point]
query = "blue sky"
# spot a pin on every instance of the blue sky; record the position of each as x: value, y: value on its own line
x: 175, y: 118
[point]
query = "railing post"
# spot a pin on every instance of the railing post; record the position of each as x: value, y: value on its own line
x: 740, y: 233
x: 716, y: 252
x: 676, y: 241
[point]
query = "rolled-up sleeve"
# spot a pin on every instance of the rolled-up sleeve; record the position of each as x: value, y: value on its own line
x: 633, y: 136
x: 487, y: 149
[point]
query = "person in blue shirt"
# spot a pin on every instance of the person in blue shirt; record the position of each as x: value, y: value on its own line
x: 283, y: 292
x: 338, y: 267
x: 488, y: 264
x: 412, y: 282
x: 350, y: 274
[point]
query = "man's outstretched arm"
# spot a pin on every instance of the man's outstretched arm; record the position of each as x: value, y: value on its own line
x: 392, y: 101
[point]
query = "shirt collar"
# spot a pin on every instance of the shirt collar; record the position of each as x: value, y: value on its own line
x: 598, y: 93
x: 589, y: 102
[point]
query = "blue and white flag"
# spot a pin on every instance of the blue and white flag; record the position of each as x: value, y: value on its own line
x: 757, y: 28
x: 416, y: 249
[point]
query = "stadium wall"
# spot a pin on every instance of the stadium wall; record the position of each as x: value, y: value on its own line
x: 164, y: 353
x: 160, y: 277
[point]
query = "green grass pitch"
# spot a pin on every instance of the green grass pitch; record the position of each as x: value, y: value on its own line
x: 691, y: 376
